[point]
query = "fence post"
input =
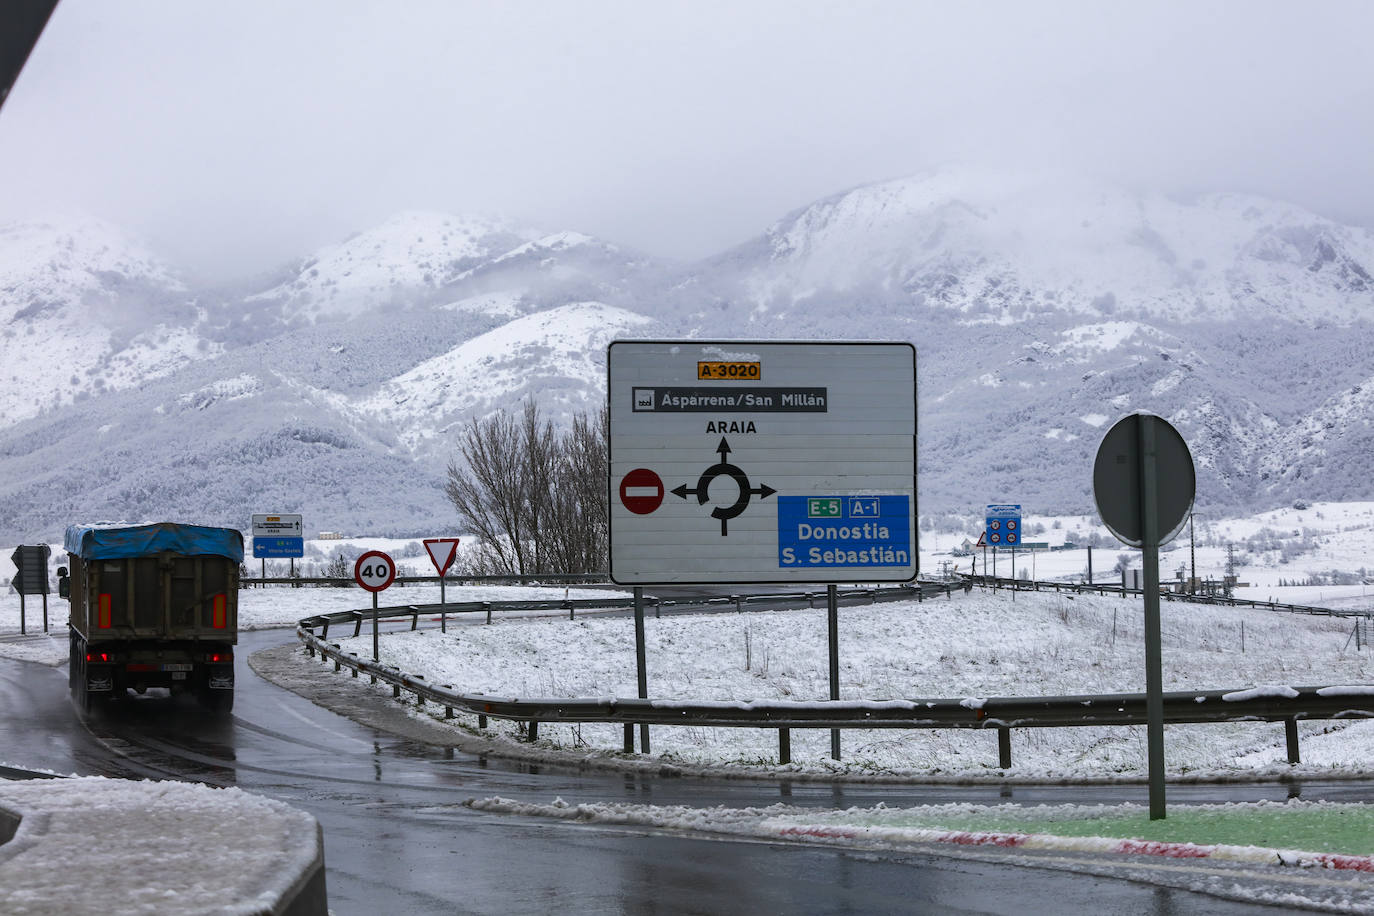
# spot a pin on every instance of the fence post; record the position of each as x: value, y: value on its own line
x: 534, y: 730
x: 784, y: 745
x: 481, y: 721
x: 1290, y: 731
x: 487, y: 605
x: 1004, y: 747
x: 629, y: 737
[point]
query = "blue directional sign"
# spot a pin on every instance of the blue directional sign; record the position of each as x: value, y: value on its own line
x: 1003, y: 526
x: 815, y: 532
x: 275, y: 548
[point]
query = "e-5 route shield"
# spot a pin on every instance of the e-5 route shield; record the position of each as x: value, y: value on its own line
x: 754, y: 462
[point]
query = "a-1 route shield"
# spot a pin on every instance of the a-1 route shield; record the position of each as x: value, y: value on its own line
x: 762, y: 461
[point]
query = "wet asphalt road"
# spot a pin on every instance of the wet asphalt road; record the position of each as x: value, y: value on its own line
x: 399, y: 841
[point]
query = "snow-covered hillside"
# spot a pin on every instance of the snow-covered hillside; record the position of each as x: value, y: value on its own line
x: 85, y: 309
x: 385, y: 265
x: 556, y: 356
x: 1002, y: 248
x: 1041, y: 310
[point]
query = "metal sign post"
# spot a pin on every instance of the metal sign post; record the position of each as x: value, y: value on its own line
x: 441, y: 553
x: 374, y: 571
x: 641, y: 671
x: 1144, y: 483
x: 1154, y: 662
x: 832, y: 604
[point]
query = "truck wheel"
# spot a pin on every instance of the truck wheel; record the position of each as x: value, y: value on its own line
x: 218, y: 700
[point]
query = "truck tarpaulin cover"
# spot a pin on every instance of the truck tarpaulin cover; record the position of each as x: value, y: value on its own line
x: 92, y: 543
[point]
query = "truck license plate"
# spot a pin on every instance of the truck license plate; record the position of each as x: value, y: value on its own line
x: 176, y: 667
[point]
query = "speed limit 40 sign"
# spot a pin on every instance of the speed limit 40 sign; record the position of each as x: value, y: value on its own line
x: 374, y: 571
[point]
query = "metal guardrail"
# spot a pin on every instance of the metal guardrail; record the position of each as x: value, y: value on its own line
x: 450, y: 579
x: 1264, y: 704
x: 1029, y: 585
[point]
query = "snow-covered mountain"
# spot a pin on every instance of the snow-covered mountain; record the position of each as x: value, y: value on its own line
x: 1000, y: 248
x: 1041, y: 311
x: 85, y: 309
x: 387, y: 265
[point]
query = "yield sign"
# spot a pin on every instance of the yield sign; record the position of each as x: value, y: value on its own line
x: 441, y: 552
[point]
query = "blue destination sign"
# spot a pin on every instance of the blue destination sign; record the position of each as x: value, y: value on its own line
x: 278, y: 548
x: 829, y: 531
x: 1003, y: 526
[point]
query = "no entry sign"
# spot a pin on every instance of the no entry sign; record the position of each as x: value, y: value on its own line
x: 641, y: 491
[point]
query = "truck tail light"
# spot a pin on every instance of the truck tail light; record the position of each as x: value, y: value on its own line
x: 221, y: 614
x: 103, y: 621
x: 220, y: 657
x: 99, y: 657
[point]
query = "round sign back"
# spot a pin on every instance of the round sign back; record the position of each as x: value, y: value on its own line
x: 1117, y: 483
x: 374, y: 571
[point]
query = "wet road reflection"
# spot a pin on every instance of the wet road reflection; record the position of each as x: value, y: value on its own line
x: 399, y: 840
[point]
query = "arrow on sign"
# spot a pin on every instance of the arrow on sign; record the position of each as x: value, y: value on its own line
x: 724, y: 513
x: 441, y: 552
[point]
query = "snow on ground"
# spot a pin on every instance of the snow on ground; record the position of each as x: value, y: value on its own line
x: 969, y: 646
x: 182, y: 848
x: 264, y: 608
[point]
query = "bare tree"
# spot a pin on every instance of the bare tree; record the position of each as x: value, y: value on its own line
x: 540, y: 460
x: 535, y: 500
x: 487, y: 494
x: 580, y: 513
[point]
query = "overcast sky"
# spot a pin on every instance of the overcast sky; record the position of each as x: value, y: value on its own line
x: 239, y: 135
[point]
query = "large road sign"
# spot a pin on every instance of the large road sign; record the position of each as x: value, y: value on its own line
x: 1002, y: 526
x: 278, y: 537
x: 752, y: 462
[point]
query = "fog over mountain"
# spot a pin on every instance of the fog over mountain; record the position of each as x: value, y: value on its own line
x: 338, y: 386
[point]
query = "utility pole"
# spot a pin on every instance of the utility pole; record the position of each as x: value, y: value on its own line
x: 1192, y: 550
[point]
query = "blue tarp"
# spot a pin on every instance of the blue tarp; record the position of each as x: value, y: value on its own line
x: 93, y: 543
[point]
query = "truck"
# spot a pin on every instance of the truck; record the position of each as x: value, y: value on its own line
x: 152, y: 606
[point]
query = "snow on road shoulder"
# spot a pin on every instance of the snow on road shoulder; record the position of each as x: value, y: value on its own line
x: 1011, y: 825
x: 1271, y: 874
x: 182, y: 848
